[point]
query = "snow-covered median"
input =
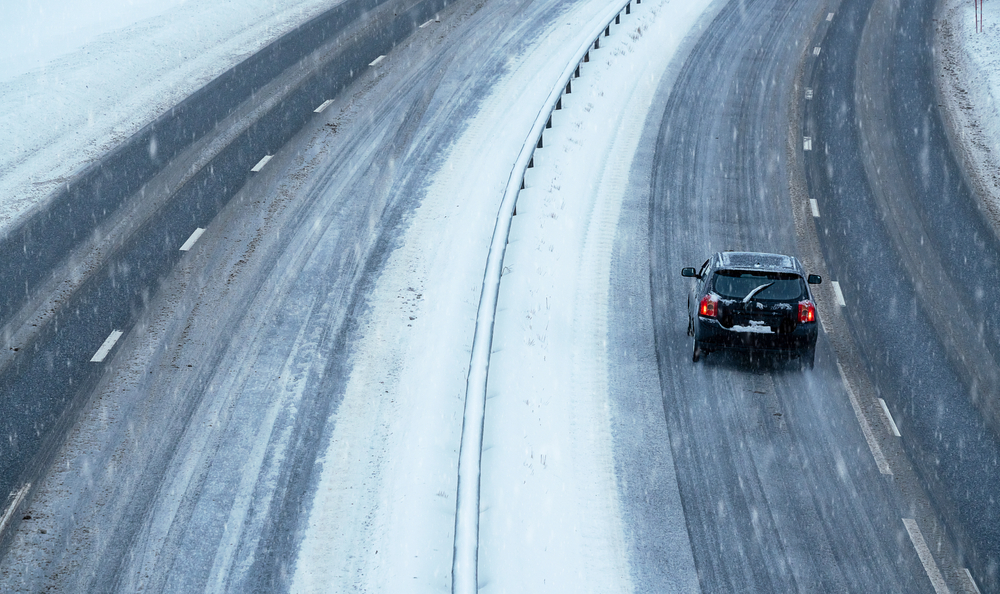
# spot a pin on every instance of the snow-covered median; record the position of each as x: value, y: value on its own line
x: 383, y: 515
x: 79, y: 78
x: 550, y: 511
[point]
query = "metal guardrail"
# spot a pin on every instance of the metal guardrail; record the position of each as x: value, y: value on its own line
x: 465, y: 562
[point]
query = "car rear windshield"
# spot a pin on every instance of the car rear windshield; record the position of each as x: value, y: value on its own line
x: 737, y: 284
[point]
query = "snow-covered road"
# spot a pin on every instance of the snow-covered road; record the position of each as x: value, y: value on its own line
x: 287, y: 412
x: 308, y: 437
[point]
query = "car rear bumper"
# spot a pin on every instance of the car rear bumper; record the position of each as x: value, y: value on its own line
x: 711, y: 335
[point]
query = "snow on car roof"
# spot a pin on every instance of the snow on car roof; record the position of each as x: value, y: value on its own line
x: 755, y: 260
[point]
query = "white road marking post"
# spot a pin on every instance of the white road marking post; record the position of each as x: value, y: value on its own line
x: 839, y: 293
x: 260, y: 164
x: 814, y: 206
x: 829, y: 16
x: 924, y: 552
x: 972, y: 582
x: 9, y: 513
x: 816, y: 51
x: 876, y: 449
x: 323, y: 106
x: 376, y: 60
x: 888, y: 416
x: 807, y: 143
x: 190, y: 241
x: 109, y: 343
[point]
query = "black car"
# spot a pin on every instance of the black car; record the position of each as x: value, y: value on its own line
x: 750, y: 301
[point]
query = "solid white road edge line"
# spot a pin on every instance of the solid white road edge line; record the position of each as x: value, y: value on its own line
x: 972, y: 582
x: 260, y: 164
x: 880, y: 461
x: 323, y: 106
x: 7, y: 515
x: 930, y: 566
x: 888, y: 416
x: 109, y: 343
x: 840, y: 294
x: 376, y: 60
x: 815, y: 207
x: 191, y: 240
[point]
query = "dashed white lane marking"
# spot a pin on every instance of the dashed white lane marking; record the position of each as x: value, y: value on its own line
x: 829, y: 16
x: 18, y: 497
x: 888, y: 417
x: 323, y: 106
x: 194, y: 237
x: 260, y: 164
x: 109, y: 343
x: 807, y: 143
x: 880, y: 461
x: 815, y: 207
x: 816, y: 51
x: 809, y: 94
x: 972, y: 583
x: 427, y: 23
x: 930, y: 566
x: 839, y: 293
x: 376, y: 60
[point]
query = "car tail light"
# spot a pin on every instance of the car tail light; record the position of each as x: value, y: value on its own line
x: 807, y: 312
x: 709, y: 306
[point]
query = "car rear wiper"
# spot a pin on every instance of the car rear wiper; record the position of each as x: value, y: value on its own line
x: 755, y: 291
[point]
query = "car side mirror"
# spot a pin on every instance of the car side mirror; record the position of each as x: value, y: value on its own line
x: 689, y: 272
x: 814, y: 279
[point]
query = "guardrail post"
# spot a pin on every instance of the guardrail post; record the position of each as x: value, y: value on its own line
x: 597, y: 43
x: 628, y: 8
x: 531, y: 162
x: 548, y: 124
x: 577, y: 73
x: 586, y: 57
x: 618, y: 18
x: 558, y: 105
x: 607, y: 31
x: 539, y: 141
x: 569, y: 87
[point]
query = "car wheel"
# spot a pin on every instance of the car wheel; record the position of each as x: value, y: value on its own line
x: 697, y: 354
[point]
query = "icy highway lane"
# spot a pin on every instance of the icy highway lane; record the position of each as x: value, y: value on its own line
x: 790, y: 480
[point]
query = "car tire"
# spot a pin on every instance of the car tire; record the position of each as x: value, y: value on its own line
x: 690, y: 326
x: 697, y: 354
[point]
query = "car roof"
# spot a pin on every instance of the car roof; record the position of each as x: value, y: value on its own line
x: 759, y: 261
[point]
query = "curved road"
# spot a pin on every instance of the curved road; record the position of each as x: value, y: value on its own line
x: 780, y: 488
x: 916, y: 257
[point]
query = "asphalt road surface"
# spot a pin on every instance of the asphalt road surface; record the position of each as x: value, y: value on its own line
x: 780, y: 488
x: 916, y: 258
x: 138, y: 206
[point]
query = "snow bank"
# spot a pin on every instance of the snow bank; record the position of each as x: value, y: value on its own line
x: 968, y: 64
x: 78, y: 78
